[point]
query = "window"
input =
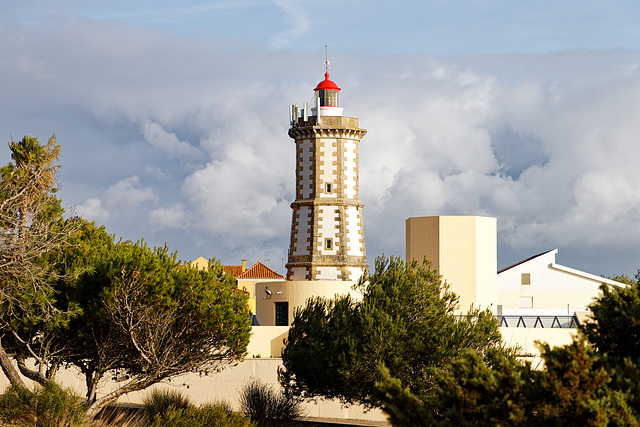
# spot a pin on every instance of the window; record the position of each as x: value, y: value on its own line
x: 328, y: 243
x: 525, y: 279
x: 328, y: 188
x: 282, y: 313
x: 328, y: 98
x: 526, y: 302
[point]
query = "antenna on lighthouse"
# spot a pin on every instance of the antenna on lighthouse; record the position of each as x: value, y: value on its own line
x: 326, y: 59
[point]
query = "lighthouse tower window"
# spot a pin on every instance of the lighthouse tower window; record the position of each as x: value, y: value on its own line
x: 328, y: 243
x: 328, y: 188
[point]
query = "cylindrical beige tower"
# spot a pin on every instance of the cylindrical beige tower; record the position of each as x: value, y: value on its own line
x: 327, y: 235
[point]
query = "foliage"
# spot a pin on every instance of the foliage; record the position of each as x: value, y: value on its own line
x: 172, y: 408
x: 145, y: 317
x: 575, y: 387
x: 72, y: 295
x: 405, y: 322
x: 158, y: 402
x: 268, y: 407
x: 470, y: 390
x: 404, y: 408
x: 614, y: 327
x: 45, y: 406
x: 203, y: 416
x: 31, y: 226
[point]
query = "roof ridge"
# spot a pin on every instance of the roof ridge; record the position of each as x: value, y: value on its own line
x: 260, y: 271
x: 526, y: 260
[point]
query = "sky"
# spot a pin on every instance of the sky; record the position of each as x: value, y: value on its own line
x: 173, y: 117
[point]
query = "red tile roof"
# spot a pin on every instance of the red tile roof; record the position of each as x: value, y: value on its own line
x: 236, y: 270
x: 258, y: 271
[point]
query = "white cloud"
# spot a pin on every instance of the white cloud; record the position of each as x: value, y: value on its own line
x: 546, y: 143
x: 168, y: 142
x: 128, y: 193
x: 172, y: 217
x: 92, y: 210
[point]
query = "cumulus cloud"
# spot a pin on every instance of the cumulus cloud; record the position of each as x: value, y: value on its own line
x: 92, y: 210
x: 172, y: 217
x: 553, y: 160
x: 124, y: 195
x: 128, y: 193
x: 167, y: 142
x: 192, y: 149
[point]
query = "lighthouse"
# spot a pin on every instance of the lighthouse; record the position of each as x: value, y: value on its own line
x: 327, y: 234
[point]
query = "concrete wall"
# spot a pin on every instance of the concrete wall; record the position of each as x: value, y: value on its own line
x: 525, y: 339
x: 296, y: 293
x: 267, y: 341
x: 249, y: 285
x: 223, y: 386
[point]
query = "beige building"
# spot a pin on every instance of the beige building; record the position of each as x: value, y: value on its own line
x: 534, y: 300
x: 246, y: 278
x: 464, y: 251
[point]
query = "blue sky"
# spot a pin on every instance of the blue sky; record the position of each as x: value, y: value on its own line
x: 173, y: 117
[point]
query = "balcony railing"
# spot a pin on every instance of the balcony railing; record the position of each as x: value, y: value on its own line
x: 515, y: 321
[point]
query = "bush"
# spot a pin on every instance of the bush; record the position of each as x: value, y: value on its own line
x: 158, y: 402
x: 45, y: 406
x: 217, y: 415
x: 268, y: 407
x: 172, y: 408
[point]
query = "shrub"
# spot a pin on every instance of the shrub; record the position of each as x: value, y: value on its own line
x: 213, y: 415
x: 43, y: 406
x: 158, y: 402
x: 267, y: 406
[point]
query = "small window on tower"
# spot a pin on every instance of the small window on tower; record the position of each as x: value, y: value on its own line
x: 328, y: 244
x: 328, y: 188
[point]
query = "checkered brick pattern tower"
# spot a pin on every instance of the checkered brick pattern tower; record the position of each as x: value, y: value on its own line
x: 327, y: 235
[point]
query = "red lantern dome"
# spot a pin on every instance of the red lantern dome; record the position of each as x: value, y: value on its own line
x: 327, y: 84
x: 328, y: 92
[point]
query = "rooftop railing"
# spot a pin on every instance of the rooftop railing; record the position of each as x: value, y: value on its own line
x: 515, y: 321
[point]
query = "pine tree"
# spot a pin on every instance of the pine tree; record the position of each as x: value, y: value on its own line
x: 405, y: 322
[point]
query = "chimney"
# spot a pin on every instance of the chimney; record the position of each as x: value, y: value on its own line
x: 244, y: 265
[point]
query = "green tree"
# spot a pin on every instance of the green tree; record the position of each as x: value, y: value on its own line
x: 613, y: 329
x: 594, y: 380
x: 145, y: 318
x: 472, y: 392
x: 405, y: 321
x: 576, y: 387
x: 31, y: 226
x: 614, y: 326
